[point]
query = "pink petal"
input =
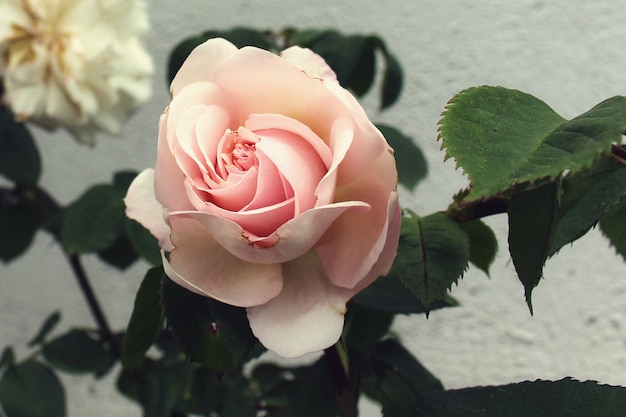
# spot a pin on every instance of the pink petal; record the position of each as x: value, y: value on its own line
x: 201, y: 63
x: 142, y: 206
x: 308, y: 314
x: 295, y: 237
x: 263, y: 83
x: 258, y: 122
x: 354, y: 242
x: 309, y: 62
x: 169, y: 183
x: 341, y: 137
x: 296, y: 161
x: 200, y: 264
x: 390, y: 249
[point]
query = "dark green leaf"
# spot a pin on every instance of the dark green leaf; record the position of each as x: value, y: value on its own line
x: 388, y: 294
x: 212, y: 333
x: 157, y: 386
x: 146, y: 320
x: 93, y: 222
x: 240, y: 37
x: 122, y: 179
x: 79, y: 351
x: 47, y: 326
x: 19, y: 157
x: 393, y: 78
x: 205, y: 394
x: 402, y: 380
x: 305, y: 391
x: 410, y: 161
x: 143, y: 242
x: 483, y: 244
x: 565, y: 398
x: 586, y: 196
x: 22, y: 212
x: 504, y: 137
x: 433, y: 254
x: 120, y: 253
x: 613, y: 225
x: 365, y: 326
x: 31, y: 389
x: 532, y: 215
x: 7, y: 358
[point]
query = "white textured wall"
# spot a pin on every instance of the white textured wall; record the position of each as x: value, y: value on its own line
x: 569, y: 53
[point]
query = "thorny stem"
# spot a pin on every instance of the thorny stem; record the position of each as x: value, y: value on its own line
x: 344, y: 392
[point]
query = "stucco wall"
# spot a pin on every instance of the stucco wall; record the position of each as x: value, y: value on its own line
x: 569, y: 53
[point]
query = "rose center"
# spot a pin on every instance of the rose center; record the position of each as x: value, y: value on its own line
x: 243, y: 155
x: 238, y: 152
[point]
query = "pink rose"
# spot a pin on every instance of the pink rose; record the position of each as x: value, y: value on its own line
x: 272, y: 191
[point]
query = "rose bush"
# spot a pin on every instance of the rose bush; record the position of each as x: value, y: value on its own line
x: 272, y: 191
x: 76, y: 64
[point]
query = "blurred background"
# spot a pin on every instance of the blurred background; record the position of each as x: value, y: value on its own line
x: 569, y: 54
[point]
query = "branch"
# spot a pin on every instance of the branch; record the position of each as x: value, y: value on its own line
x: 341, y: 380
x: 92, y: 302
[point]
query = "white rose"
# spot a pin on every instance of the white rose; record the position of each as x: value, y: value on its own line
x: 79, y: 64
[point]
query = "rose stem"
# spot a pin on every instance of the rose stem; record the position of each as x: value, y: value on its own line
x: 92, y: 302
x: 341, y: 380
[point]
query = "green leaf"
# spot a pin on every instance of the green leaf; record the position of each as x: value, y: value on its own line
x: 410, y: 161
x: 7, y: 358
x: 390, y: 295
x: 92, y: 222
x: 19, y: 157
x: 22, y: 212
x: 402, y: 381
x: 143, y: 242
x: 47, y: 326
x: 433, y: 254
x: 503, y: 137
x: 122, y: 179
x: 120, y: 253
x: 544, y: 218
x: 365, y: 326
x: 31, y: 389
x: 157, y: 386
x: 564, y: 398
x: 393, y: 77
x: 483, y: 244
x: 613, y: 226
x: 586, y: 197
x: 212, y: 333
x: 532, y: 215
x: 79, y: 351
x: 240, y: 37
x: 305, y: 391
x: 146, y: 320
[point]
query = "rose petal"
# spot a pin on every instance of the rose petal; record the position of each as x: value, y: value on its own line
x: 201, y: 63
x: 200, y: 264
x: 169, y: 184
x: 142, y: 206
x: 388, y: 254
x: 296, y: 236
x: 258, y: 122
x: 281, y: 88
x: 309, y: 62
x: 341, y: 138
x: 307, y: 315
x: 352, y: 244
x: 296, y: 161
